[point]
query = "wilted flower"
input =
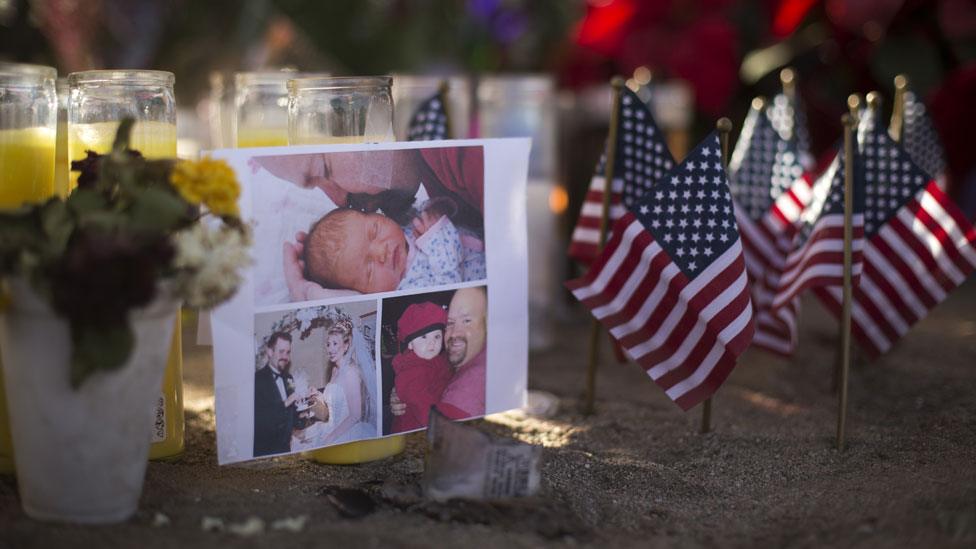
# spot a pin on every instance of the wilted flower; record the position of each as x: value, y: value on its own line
x: 129, y: 231
x: 209, y: 261
x: 104, y: 275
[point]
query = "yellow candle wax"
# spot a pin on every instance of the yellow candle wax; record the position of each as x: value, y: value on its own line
x: 167, y: 435
x: 153, y: 140
x: 61, y: 162
x: 27, y: 164
x: 26, y: 175
x: 262, y: 137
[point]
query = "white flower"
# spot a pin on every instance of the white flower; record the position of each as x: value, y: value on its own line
x: 305, y: 318
x: 209, y: 262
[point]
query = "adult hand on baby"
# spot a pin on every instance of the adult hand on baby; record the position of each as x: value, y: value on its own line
x: 299, y: 288
x: 423, y: 222
x: 436, y: 209
x: 397, y: 406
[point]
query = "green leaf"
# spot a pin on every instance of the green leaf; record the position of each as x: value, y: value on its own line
x: 156, y: 210
x: 122, y: 135
x: 19, y: 233
x: 84, y: 201
x: 58, y: 224
x: 107, y: 221
x: 99, y: 348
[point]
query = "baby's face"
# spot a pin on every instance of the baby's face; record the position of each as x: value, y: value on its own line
x: 428, y: 345
x: 374, y: 257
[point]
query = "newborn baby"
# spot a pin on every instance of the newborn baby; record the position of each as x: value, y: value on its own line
x: 369, y: 252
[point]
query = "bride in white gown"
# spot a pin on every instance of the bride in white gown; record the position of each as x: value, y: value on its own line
x: 349, y: 403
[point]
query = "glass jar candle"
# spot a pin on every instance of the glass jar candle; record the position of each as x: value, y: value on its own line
x: 409, y: 91
x: 28, y: 129
x: 261, y: 108
x: 344, y: 110
x: 61, y: 162
x: 97, y: 102
x: 525, y: 106
x: 340, y: 110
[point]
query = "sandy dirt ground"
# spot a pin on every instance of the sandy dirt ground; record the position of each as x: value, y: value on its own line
x: 637, y: 473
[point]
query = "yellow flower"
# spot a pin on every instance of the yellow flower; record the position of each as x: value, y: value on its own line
x: 209, y: 182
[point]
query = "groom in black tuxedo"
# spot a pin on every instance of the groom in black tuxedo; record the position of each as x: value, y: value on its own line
x: 274, y: 399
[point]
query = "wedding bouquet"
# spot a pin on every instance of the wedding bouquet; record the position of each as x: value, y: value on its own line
x: 133, y: 230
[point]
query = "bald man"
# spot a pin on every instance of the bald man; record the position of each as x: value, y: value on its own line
x: 465, y: 336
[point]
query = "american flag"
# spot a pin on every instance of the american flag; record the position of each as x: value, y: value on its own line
x: 642, y: 158
x: 770, y: 241
x: 429, y: 121
x: 789, y: 119
x: 919, y: 247
x: 671, y: 284
x: 817, y: 256
x: 920, y: 139
x: 766, y: 164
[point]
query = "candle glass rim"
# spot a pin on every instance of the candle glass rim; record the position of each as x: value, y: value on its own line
x: 12, y: 80
x: 456, y: 83
x: 314, y: 83
x: 122, y: 77
x: 29, y: 69
x: 266, y: 78
x: 517, y: 83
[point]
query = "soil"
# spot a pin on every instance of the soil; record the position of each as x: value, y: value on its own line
x: 637, y: 473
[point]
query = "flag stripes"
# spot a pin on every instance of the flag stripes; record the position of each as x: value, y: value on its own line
x: 767, y: 163
x: 651, y: 308
x: 584, y: 244
x: 820, y: 261
x: 926, y: 250
x: 640, y: 158
x: 766, y: 243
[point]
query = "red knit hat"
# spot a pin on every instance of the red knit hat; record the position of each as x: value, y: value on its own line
x: 418, y: 319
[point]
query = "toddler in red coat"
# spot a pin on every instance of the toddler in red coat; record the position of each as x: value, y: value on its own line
x: 421, y: 368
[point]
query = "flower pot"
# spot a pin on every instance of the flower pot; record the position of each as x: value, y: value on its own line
x: 81, y: 453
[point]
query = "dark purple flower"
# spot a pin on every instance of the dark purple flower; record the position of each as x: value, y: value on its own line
x: 483, y: 9
x: 509, y: 26
x: 103, y: 275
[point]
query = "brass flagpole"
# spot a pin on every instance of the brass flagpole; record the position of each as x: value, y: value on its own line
x: 874, y: 101
x: 849, y: 124
x: 854, y: 104
x: 724, y: 127
x: 897, y: 124
x: 787, y: 79
x: 616, y: 84
x: 853, y: 108
x: 442, y: 92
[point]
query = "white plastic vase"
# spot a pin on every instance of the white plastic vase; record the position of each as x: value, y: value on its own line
x: 80, y: 453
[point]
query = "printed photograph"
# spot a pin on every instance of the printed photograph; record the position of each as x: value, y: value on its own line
x: 314, y: 377
x: 433, y: 355
x: 347, y: 223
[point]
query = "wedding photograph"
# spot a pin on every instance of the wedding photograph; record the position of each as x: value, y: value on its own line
x: 314, y: 378
x: 348, y: 223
